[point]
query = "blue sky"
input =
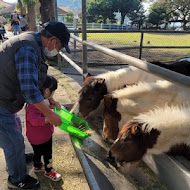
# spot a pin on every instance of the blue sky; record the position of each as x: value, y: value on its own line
x: 146, y: 5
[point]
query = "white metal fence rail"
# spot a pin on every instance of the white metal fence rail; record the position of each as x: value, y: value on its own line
x: 161, y: 72
x: 148, y: 67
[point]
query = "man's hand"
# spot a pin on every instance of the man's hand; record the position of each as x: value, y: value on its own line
x: 53, y: 119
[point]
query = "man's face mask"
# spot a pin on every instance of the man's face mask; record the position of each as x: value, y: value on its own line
x: 51, y: 53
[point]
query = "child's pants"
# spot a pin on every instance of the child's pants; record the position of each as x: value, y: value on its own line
x: 44, y: 150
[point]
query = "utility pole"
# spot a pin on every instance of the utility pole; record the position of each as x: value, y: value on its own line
x: 55, y: 10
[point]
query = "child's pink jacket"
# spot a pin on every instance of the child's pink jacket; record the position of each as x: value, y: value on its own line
x: 36, y: 131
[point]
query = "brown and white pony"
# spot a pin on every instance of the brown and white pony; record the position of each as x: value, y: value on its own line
x: 95, y: 87
x: 163, y: 130
x: 123, y: 105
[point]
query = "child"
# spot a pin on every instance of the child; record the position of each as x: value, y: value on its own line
x: 39, y: 133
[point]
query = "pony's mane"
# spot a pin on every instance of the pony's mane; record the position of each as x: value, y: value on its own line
x: 142, y: 87
x: 115, y: 79
x: 176, y: 118
x: 172, y: 123
x: 127, y: 76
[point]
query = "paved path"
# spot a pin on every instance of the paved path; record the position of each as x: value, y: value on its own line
x: 64, y: 156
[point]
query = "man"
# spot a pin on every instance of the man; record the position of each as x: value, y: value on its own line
x: 2, y: 29
x: 2, y: 20
x: 23, y: 23
x: 15, y: 23
x: 22, y: 72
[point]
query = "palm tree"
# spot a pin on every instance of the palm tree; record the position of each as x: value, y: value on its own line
x: 48, y: 10
x: 31, y: 15
x: 20, y: 7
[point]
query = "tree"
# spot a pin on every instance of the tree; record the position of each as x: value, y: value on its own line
x: 176, y: 10
x: 100, y: 8
x: 125, y: 7
x: 69, y: 17
x: 47, y: 10
x: 138, y: 15
x: 181, y: 8
x: 20, y: 7
x: 93, y: 11
x: 31, y: 15
x: 158, y: 14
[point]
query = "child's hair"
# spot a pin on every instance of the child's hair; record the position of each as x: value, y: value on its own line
x: 50, y: 83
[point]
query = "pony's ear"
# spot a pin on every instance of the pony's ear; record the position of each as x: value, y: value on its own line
x: 86, y: 75
x: 136, y: 129
x: 99, y: 83
x: 152, y: 137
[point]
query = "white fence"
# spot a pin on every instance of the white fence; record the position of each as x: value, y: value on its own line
x: 102, y: 26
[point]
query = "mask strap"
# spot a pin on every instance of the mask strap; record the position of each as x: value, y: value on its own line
x: 54, y: 44
x: 48, y: 44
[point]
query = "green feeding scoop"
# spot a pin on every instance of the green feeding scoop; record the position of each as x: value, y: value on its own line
x: 72, y: 124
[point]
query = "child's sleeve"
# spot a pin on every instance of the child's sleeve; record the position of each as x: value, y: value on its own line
x: 34, y: 116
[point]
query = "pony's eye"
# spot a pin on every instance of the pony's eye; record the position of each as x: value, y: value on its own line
x: 125, y: 138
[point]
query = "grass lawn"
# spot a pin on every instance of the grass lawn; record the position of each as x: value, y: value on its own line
x: 133, y: 39
x: 124, y: 39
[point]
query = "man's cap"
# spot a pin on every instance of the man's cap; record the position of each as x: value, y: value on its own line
x: 59, y: 30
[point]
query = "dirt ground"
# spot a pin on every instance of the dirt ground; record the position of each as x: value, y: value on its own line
x: 164, y: 55
x: 65, y: 160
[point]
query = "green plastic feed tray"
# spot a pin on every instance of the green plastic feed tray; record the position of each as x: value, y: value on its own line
x: 72, y: 124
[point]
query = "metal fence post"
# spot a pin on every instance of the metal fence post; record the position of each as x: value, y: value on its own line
x: 59, y: 61
x: 75, y: 43
x: 141, y: 43
x: 84, y: 47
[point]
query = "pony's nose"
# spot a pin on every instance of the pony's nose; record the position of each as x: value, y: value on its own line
x: 110, y: 155
x: 104, y: 138
x: 111, y: 160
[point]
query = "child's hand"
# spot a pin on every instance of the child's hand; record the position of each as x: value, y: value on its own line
x: 54, y: 103
x: 45, y: 122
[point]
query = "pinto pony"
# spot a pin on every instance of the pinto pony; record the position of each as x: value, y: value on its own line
x: 123, y: 105
x: 95, y: 87
x: 163, y: 130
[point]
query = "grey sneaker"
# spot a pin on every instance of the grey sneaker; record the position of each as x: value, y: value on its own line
x: 27, y: 183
